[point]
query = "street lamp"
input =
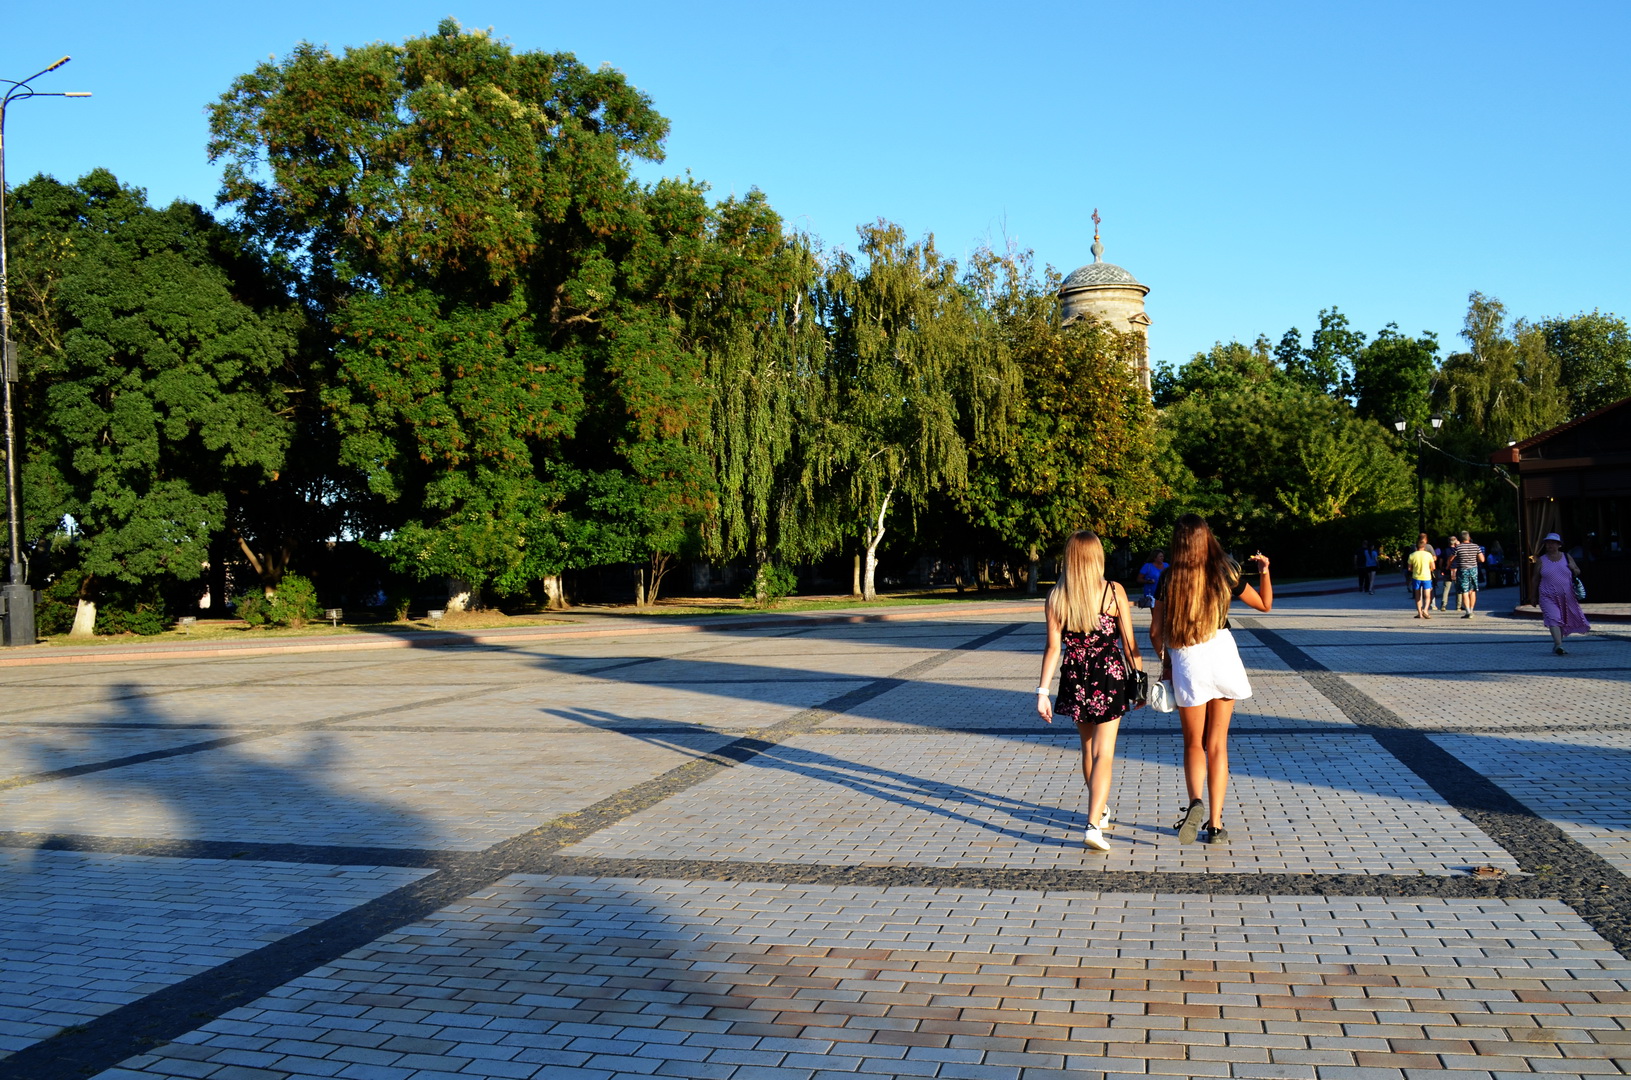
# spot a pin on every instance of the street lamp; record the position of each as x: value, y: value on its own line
x: 16, y: 598
x: 1399, y: 424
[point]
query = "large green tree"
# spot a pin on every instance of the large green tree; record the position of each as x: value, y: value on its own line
x: 1273, y: 457
x: 1506, y: 387
x: 1393, y: 377
x: 1074, y: 448
x: 1326, y: 364
x: 888, y: 422
x: 158, y: 356
x: 1593, y: 351
x: 510, y: 372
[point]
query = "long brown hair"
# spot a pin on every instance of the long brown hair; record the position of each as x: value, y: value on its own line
x: 1078, y: 596
x: 1198, y: 581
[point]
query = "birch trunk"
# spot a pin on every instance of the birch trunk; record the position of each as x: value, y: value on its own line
x: 869, y: 590
x: 84, y: 619
x: 554, y: 593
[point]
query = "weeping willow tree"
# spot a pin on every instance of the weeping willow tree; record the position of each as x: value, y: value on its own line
x: 905, y: 349
x: 1508, y: 386
x: 758, y: 330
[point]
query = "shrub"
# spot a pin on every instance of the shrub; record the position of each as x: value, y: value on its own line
x: 59, y: 601
x: 771, y: 585
x: 292, y: 604
x: 144, y: 617
x: 253, y: 607
x: 397, y: 601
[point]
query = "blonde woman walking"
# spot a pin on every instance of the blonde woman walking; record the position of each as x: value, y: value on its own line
x: 1189, y: 627
x: 1086, y: 617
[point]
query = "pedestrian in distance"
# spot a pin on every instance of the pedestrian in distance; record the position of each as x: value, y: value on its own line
x: 1422, y: 562
x: 1467, y: 556
x: 1370, y: 555
x: 1150, y: 574
x: 1189, y: 628
x: 1090, y: 639
x: 1445, y: 573
x: 1553, y: 582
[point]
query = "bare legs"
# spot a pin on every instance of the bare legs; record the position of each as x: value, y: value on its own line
x: 1206, y: 752
x: 1098, y: 763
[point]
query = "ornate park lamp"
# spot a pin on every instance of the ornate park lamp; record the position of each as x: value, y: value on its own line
x: 1399, y: 424
x: 16, y: 598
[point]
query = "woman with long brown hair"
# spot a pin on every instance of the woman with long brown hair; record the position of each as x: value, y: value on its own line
x: 1086, y: 616
x: 1189, y: 628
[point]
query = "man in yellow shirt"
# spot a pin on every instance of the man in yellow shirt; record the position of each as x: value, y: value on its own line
x: 1422, y: 562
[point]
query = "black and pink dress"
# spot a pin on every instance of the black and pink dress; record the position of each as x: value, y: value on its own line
x: 1092, y: 674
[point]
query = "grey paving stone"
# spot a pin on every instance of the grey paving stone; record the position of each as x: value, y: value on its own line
x: 948, y: 770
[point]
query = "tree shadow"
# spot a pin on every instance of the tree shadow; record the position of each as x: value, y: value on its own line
x: 130, y: 861
x: 934, y: 796
x: 1002, y: 711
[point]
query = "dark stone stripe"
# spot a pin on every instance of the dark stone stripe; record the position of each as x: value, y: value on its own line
x: 1456, y: 886
x: 26, y: 779
x: 166, y: 848
x: 1573, y: 872
x: 167, y: 1013
x: 1482, y: 641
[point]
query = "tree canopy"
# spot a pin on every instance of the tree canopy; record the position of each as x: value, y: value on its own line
x: 440, y: 316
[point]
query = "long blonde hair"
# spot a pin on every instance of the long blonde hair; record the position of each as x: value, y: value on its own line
x: 1198, y: 582
x: 1078, y: 596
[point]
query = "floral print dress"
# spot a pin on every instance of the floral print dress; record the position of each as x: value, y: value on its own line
x: 1092, y: 674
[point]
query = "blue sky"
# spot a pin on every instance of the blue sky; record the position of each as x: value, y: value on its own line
x: 1253, y: 163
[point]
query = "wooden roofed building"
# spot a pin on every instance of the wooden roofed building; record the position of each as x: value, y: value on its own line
x: 1575, y: 480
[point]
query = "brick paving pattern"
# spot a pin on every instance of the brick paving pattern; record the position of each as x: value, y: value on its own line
x: 84, y: 933
x: 188, y: 892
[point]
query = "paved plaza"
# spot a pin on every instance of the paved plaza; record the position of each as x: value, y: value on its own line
x: 816, y: 848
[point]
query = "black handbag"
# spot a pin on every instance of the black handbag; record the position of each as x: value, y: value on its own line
x: 1138, y: 688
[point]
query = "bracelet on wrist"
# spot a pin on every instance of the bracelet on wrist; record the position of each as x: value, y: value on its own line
x: 1043, y: 690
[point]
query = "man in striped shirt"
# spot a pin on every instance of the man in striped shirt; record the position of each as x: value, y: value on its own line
x: 1465, y: 558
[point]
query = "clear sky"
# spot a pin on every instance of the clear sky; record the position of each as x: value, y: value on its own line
x: 1253, y: 162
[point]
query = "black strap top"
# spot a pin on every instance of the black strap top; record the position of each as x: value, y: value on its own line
x: 1237, y: 585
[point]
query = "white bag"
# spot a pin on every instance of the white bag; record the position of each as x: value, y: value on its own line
x: 1161, y: 698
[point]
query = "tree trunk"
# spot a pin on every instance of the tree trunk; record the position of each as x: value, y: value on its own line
x: 461, y: 595
x: 855, y: 589
x: 554, y: 594
x: 84, y: 619
x: 661, y: 563
x: 982, y: 574
x: 761, y: 560
x: 1033, y: 572
x: 271, y: 567
x: 639, y: 587
x: 218, y: 576
x: 869, y: 590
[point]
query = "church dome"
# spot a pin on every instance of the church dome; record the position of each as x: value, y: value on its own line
x: 1098, y: 273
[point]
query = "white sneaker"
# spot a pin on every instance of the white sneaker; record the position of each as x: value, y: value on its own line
x: 1094, y: 839
x: 1104, y: 819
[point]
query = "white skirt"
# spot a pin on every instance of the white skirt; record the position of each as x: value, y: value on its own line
x: 1209, y: 670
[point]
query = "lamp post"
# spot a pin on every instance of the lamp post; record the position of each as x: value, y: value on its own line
x: 16, y: 598
x: 1399, y: 424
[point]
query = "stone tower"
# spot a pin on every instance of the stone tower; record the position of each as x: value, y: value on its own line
x: 1113, y: 295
